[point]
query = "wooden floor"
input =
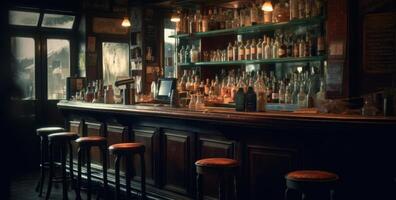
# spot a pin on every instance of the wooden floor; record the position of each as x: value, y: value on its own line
x: 23, y: 188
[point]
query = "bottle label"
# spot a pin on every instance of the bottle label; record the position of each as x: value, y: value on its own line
x: 275, y: 95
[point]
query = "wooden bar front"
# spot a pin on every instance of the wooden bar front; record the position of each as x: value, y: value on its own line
x: 268, y: 145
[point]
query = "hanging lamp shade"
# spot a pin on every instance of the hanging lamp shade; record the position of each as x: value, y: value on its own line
x: 267, y: 6
x: 126, y: 22
x: 175, y: 17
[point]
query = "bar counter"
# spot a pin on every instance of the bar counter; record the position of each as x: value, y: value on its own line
x: 268, y: 145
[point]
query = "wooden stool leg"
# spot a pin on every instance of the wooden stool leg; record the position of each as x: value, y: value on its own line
x: 332, y: 195
x: 287, y: 194
x: 128, y: 175
x: 71, y: 165
x: 64, y: 176
x: 51, y: 171
x: 89, y: 179
x: 104, y: 164
x: 117, y: 177
x: 199, y: 187
x: 143, y: 172
x: 44, y: 150
x: 221, y: 188
x: 236, y: 187
x: 79, y: 163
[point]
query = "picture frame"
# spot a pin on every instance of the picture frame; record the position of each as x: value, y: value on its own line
x: 104, y: 25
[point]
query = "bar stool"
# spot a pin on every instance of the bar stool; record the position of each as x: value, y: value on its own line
x: 84, y: 146
x: 221, y: 167
x: 127, y: 150
x: 43, y: 134
x: 63, y: 140
x: 313, y: 184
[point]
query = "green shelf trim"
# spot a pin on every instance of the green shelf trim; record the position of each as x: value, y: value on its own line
x: 245, y: 62
x: 253, y: 29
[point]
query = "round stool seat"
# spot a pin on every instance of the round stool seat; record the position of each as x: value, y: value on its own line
x: 45, y: 131
x: 217, y: 162
x: 62, y: 136
x: 92, y: 141
x: 311, y: 175
x: 126, y: 147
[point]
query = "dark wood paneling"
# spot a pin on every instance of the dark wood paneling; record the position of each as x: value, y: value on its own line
x: 148, y: 137
x: 116, y: 134
x: 267, y: 167
x: 75, y: 126
x: 177, y: 161
x: 214, y: 147
x: 94, y: 129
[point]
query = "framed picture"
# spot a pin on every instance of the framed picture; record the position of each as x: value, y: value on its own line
x: 108, y: 26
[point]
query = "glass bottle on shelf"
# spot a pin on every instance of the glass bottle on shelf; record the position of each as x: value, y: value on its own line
x: 267, y: 17
x: 253, y: 50
x: 282, y: 51
x: 235, y: 20
x: 268, y: 49
x: 240, y: 98
x: 109, y: 95
x: 275, y: 92
x: 296, y: 47
x: 198, y: 21
x: 187, y: 58
x: 294, y: 12
x: 207, y: 87
x: 321, y: 95
x: 254, y: 14
x: 263, y: 44
x: 295, y: 93
x: 308, y: 45
x: 282, y: 93
x: 251, y: 99
x: 275, y: 48
x: 230, y: 52
x: 288, y: 94
x: 289, y: 50
x: 205, y: 23
x: 235, y: 51
x: 301, y: 9
x: 301, y: 48
x: 320, y: 45
x: 241, y: 52
x: 194, y: 54
x: 301, y: 97
x: 310, y: 96
x: 193, y: 101
x: 308, y: 8
x: 259, y: 48
x: 247, y: 50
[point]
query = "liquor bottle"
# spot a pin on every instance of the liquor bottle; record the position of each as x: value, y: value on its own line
x: 259, y: 48
x: 109, y: 95
x: 235, y: 51
x: 212, y: 22
x: 230, y: 52
x: 240, y: 98
x: 216, y: 19
x: 321, y: 95
x: 196, y: 84
x: 205, y: 23
x: 199, y: 21
x: 320, y: 46
x: 268, y: 49
x: 269, y: 93
x: 275, y: 92
x: 207, y: 87
x: 253, y: 50
x: 288, y: 94
x: 295, y: 93
x: 282, y: 93
x: 308, y: 46
x: 261, y: 96
x: 201, y: 88
x: 194, y: 54
x: 263, y: 44
x: 181, y: 55
x: 221, y: 19
x: 247, y: 50
x: 301, y: 97
x: 308, y: 8
x: 254, y: 14
x: 267, y: 17
x: 310, y: 97
x: 191, y: 24
x: 251, y: 99
x: 235, y: 20
x: 294, y: 9
x: 187, y: 58
x: 301, y: 9
x: 296, y: 52
x: 184, y: 21
x: 241, y: 52
x: 301, y: 48
x: 275, y: 48
x: 289, y: 50
x: 282, y: 51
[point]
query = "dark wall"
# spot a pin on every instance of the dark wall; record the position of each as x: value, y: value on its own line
x: 369, y: 82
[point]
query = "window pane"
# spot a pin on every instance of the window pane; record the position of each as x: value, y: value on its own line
x: 23, y: 18
x: 23, y: 63
x: 169, y: 48
x: 58, y: 21
x: 58, y: 61
x: 115, y: 62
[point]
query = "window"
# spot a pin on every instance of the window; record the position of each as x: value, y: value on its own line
x: 169, y: 48
x: 115, y: 62
x: 58, y: 21
x: 58, y: 62
x: 23, y: 18
x: 23, y: 63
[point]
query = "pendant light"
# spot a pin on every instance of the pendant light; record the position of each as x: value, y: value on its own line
x: 175, y: 16
x: 125, y: 21
x: 267, y: 6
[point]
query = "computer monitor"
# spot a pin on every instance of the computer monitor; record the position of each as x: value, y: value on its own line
x: 165, y: 87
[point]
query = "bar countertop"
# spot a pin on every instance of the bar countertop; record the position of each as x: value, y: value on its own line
x: 224, y: 114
